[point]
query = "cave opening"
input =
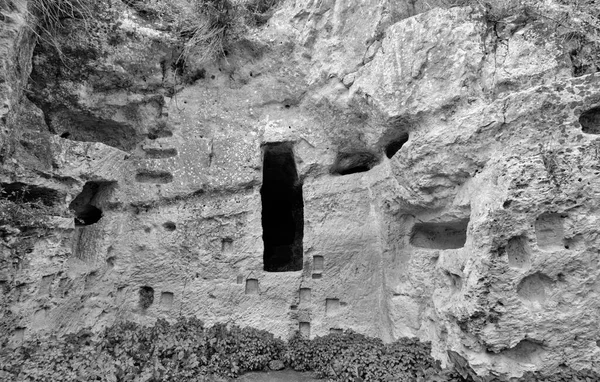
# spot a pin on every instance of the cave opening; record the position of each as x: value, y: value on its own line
x: 395, y: 145
x: 348, y: 163
x: 88, y: 215
x: 590, y: 121
x: 146, y: 297
x: 440, y: 235
x: 85, y: 206
x: 282, y: 209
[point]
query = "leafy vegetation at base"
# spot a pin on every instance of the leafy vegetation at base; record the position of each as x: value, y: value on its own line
x: 352, y: 356
x: 183, y: 351
x: 188, y: 351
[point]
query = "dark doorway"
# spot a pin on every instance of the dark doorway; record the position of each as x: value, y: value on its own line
x: 282, y: 209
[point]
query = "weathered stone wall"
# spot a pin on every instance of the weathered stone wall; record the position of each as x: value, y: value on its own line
x: 449, y: 179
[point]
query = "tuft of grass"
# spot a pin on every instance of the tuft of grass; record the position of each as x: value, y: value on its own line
x: 17, y: 210
x: 209, y: 35
x: 206, y: 28
x: 48, y: 16
x: 50, y: 13
x: 260, y: 11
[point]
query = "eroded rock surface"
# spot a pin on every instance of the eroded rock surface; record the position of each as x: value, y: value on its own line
x: 448, y: 175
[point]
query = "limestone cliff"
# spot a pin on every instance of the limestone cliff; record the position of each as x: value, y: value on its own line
x: 400, y: 169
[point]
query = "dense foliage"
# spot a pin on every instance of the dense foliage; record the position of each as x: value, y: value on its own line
x: 188, y: 351
x: 351, y: 356
x: 183, y: 351
x: 18, y: 210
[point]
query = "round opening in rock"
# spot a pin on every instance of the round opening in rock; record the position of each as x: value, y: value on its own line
x: 169, y: 226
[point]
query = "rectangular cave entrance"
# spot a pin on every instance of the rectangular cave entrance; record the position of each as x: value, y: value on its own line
x: 282, y: 209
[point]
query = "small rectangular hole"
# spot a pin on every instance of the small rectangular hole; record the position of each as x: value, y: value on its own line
x: 251, y: 286
x: 227, y: 245
x: 332, y: 305
x: 304, y: 295
x: 318, y: 264
x: 166, y: 299
x: 305, y: 329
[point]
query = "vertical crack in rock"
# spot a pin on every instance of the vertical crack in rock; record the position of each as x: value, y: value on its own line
x: 282, y: 210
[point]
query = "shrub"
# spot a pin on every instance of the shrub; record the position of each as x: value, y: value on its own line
x: 187, y: 351
x: 206, y: 28
x: 163, y: 352
x: 18, y: 210
x: 350, y: 356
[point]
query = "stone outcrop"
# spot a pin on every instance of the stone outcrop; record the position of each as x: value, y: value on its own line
x: 448, y: 173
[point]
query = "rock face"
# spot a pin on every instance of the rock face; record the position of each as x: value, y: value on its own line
x: 396, y: 170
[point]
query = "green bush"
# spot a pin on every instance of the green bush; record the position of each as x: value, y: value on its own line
x: 206, y: 28
x: 18, y: 211
x: 187, y: 351
x: 163, y: 352
x: 350, y: 356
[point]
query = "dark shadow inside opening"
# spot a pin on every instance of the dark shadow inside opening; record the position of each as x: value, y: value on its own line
x: 282, y: 210
x: 348, y: 163
x: 392, y: 148
x: 146, y: 295
x: 84, y: 205
x: 446, y: 235
x: 590, y: 121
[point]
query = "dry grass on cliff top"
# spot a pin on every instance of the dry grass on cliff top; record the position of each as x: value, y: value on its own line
x: 207, y: 27
x: 204, y: 27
